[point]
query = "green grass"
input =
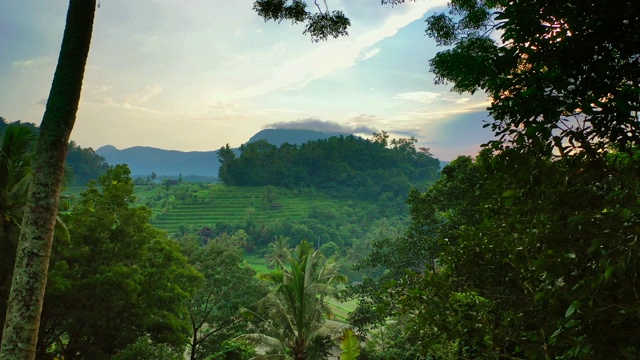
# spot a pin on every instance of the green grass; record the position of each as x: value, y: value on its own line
x: 257, y: 262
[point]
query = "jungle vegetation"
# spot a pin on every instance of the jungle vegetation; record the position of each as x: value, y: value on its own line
x: 527, y: 251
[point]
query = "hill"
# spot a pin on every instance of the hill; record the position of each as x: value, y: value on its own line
x: 198, y: 205
x: 380, y: 168
x: 292, y: 136
x: 143, y: 160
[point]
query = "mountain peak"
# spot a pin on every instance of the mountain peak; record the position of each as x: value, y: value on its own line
x: 103, y: 150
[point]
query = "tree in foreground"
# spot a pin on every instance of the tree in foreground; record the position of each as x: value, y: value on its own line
x: 535, y: 239
x: 116, y: 280
x: 294, y: 315
x: 34, y: 249
x: 214, y: 307
x: 15, y: 148
x: 563, y: 76
x: 559, y: 197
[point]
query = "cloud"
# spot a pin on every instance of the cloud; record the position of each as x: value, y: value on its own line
x: 426, y: 97
x: 406, y: 133
x: 320, y: 125
x: 142, y: 96
x: 359, y: 122
x: 30, y: 64
x: 23, y: 62
x: 326, y: 58
x: 369, y: 54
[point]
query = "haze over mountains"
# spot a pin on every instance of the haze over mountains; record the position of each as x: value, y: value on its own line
x: 143, y: 160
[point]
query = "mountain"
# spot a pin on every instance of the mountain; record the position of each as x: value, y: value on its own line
x: 144, y: 160
x: 292, y: 136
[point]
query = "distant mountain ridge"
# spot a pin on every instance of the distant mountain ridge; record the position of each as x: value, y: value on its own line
x: 144, y: 160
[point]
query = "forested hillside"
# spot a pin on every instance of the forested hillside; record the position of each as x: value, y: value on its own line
x: 375, y: 169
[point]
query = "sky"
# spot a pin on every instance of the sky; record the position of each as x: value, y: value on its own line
x: 194, y: 75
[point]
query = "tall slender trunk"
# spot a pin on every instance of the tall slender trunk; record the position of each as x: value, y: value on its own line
x: 21, y: 326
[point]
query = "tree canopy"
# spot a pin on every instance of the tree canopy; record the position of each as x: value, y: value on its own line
x: 295, y: 312
x: 528, y: 250
x: 117, y: 279
x: 320, y: 24
x: 228, y: 286
x: 562, y: 76
x: 353, y: 166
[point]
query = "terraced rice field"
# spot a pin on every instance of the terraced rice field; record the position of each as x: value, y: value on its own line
x: 220, y: 203
x: 341, y: 310
x: 198, y: 205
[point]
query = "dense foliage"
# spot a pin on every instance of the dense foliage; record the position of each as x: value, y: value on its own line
x: 319, y: 25
x: 228, y: 286
x: 561, y: 75
x: 530, y: 250
x: 115, y: 280
x: 536, y: 271
x: 82, y: 164
x: 375, y: 169
x: 294, y: 314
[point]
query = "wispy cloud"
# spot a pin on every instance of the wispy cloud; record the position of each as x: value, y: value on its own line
x: 428, y: 97
x: 327, y: 58
x: 23, y: 62
x: 31, y: 63
x: 369, y: 54
x: 143, y: 96
x: 320, y: 125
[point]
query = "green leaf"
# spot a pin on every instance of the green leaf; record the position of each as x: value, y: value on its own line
x: 570, y: 310
x: 509, y: 193
x: 349, y: 345
x: 554, y: 336
x: 625, y: 214
x: 609, y: 271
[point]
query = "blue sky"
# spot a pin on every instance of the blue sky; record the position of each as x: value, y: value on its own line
x: 197, y: 74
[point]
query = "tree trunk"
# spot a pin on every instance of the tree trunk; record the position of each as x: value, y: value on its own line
x: 34, y: 249
x: 194, y: 338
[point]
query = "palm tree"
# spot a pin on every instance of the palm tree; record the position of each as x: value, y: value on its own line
x: 22, y: 323
x: 278, y: 251
x: 295, y: 312
x: 15, y: 148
